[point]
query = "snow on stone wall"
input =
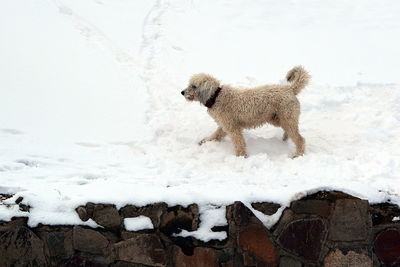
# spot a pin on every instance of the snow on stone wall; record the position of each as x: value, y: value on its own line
x: 329, y: 229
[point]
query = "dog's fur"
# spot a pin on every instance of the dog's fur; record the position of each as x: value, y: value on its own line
x: 235, y: 109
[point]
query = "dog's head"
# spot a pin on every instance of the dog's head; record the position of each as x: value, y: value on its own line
x: 201, y: 88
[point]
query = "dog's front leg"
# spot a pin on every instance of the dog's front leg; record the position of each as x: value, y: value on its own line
x: 216, y: 136
x: 239, y: 143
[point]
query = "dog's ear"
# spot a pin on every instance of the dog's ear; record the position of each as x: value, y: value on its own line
x: 203, y: 94
x: 206, y: 90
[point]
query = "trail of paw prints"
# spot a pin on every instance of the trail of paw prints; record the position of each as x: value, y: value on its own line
x: 95, y: 35
x: 153, y: 44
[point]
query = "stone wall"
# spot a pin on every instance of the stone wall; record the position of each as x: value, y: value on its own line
x: 329, y: 229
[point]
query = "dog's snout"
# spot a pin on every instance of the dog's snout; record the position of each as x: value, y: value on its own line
x: 183, y: 93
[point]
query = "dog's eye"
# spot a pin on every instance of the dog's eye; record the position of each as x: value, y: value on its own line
x: 193, y: 86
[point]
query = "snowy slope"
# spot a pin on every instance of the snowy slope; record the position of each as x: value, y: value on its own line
x: 91, y: 107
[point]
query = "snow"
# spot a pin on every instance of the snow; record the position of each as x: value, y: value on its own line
x: 211, y: 216
x: 138, y: 223
x: 91, y: 107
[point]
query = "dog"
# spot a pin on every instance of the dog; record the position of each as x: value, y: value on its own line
x: 237, y: 109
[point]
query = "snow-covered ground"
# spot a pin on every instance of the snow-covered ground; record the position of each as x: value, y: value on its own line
x: 90, y: 104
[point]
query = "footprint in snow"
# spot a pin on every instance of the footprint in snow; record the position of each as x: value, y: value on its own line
x: 178, y: 48
x: 86, y: 144
x: 28, y: 163
x: 11, y: 131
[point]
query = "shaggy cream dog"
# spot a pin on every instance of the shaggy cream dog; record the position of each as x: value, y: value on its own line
x: 234, y: 109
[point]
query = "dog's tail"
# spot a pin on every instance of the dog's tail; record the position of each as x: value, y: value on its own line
x: 299, y: 78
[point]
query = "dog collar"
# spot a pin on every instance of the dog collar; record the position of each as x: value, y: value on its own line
x: 210, y: 102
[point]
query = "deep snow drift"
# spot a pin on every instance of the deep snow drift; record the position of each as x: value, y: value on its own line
x: 91, y: 107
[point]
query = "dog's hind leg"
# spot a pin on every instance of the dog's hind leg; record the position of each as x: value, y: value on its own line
x: 216, y: 136
x: 238, y: 142
x: 274, y: 120
x: 285, y: 136
x: 292, y: 130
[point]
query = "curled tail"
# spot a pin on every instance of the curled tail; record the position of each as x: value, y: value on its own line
x: 299, y: 78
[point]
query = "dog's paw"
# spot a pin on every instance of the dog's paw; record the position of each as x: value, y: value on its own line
x: 296, y: 155
x: 242, y: 154
x: 202, y: 141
